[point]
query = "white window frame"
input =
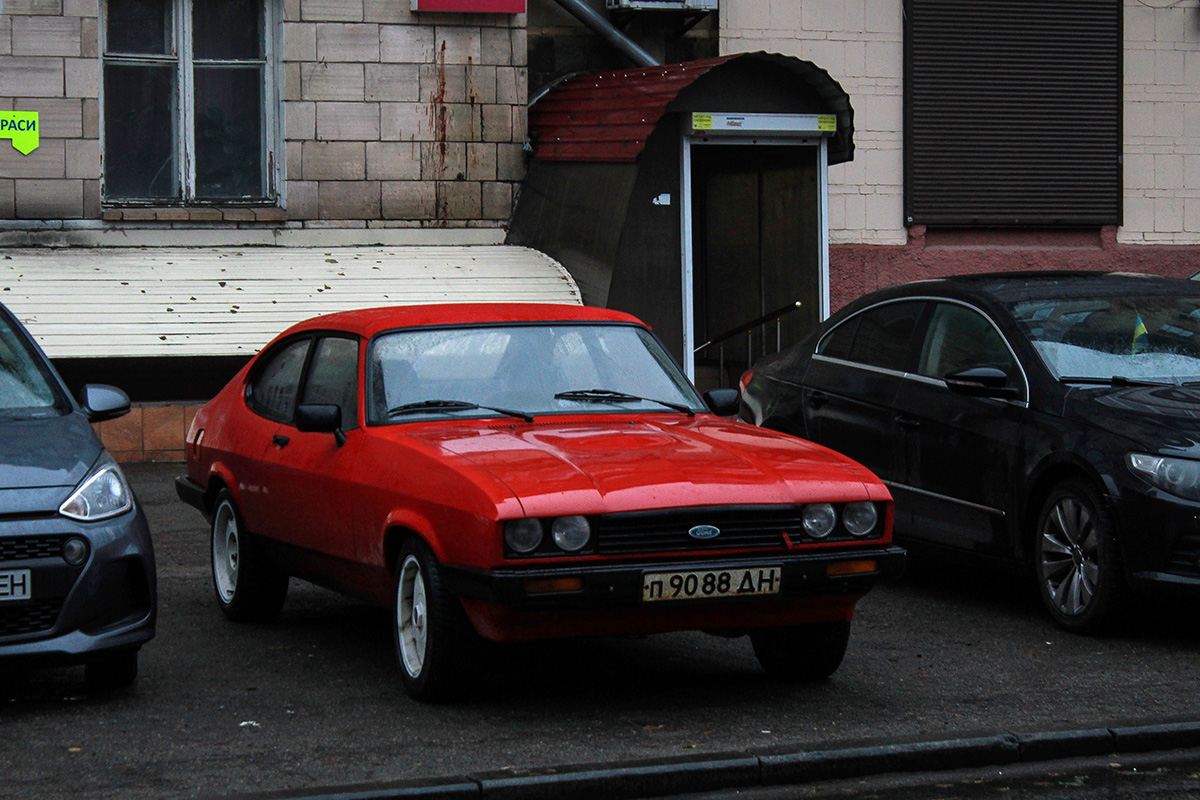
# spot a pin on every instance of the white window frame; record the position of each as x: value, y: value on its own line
x: 185, y: 134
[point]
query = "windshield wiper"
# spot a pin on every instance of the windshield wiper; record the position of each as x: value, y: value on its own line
x: 609, y: 396
x: 1115, y: 380
x: 453, y: 405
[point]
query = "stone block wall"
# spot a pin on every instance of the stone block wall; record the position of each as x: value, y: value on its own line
x: 390, y: 118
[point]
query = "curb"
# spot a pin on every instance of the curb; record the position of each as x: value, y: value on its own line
x: 749, y: 770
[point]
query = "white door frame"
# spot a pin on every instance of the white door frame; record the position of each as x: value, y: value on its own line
x: 704, y: 138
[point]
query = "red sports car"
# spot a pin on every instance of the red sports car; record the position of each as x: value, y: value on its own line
x: 516, y: 472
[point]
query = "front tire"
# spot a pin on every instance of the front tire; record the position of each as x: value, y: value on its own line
x: 1077, y: 563
x: 249, y: 588
x: 431, y: 631
x: 801, y: 653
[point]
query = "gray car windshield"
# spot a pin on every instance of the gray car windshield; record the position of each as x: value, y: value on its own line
x: 523, y: 371
x: 25, y: 387
x: 1114, y: 340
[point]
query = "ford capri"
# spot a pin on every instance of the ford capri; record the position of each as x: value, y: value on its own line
x: 511, y: 472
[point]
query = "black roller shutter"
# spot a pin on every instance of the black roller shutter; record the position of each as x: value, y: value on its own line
x: 1013, y: 112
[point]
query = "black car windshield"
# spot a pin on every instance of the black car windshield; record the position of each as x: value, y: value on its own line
x: 26, y: 388
x: 523, y: 370
x: 1115, y: 340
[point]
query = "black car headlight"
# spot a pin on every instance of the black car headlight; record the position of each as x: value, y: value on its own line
x: 1179, y: 476
x: 102, y: 494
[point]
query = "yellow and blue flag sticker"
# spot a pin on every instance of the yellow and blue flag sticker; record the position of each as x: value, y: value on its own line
x: 1139, y: 336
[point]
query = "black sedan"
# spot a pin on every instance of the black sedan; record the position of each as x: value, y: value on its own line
x: 1043, y: 419
x: 77, y: 578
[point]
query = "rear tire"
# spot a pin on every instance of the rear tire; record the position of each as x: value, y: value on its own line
x: 801, y: 653
x: 112, y: 670
x: 431, y: 631
x: 249, y: 588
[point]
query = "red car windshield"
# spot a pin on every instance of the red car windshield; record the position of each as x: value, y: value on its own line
x: 528, y: 369
x: 26, y: 387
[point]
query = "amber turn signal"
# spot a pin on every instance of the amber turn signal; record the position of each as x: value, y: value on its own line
x: 554, y: 586
x: 852, y: 567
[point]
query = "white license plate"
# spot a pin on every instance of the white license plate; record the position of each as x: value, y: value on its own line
x: 15, y: 584
x: 706, y: 583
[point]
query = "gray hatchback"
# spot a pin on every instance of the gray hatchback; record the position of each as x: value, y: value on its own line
x: 77, y: 578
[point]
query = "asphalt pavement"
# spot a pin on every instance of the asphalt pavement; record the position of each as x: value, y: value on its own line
x: 947, y: 670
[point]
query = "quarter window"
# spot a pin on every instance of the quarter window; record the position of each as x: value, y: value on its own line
x: 187, y: 100
x: 878, y: 337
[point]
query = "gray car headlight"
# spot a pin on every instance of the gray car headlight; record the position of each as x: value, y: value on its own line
x: 860, y: 518
x: 1179, y: 476
x: 523, y: 535
x: 571, y: 533
x: 819, y: 520
x: 102, y: 494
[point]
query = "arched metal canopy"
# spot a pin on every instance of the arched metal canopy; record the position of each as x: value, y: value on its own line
x: 608, y: 116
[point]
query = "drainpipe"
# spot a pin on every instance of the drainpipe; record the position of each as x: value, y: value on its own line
x: 609, y: 33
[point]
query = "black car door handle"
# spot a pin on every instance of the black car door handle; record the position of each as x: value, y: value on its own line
x: 817, y: 399
x: 908, y: 422
x: 280, y: 441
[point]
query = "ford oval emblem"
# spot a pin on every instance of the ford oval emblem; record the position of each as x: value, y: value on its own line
x: 704, y: 532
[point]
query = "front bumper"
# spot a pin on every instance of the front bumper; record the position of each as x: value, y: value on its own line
x: 108, y: 603
x: 619, y: 585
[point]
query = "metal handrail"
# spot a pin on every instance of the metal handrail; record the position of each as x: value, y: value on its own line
x: 774, y: 316
x: 748, y: 328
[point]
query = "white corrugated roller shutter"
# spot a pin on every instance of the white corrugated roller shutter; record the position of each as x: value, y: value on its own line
x: 120, y: 302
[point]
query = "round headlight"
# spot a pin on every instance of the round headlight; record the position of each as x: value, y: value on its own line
x: 819, y: 520
x: 523, y: 535
x: 74, y: 551
x: 860, y: 518
x: 571, y: 533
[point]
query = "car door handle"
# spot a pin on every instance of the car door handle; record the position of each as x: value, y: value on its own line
x: 908, y: 423
x: 817, y: 399
x: 280, y: 441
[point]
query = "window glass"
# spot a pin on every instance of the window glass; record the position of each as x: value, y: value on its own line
x: 837, y: 343
x: 523, y: 368
x: 273, y: 392
x: 333, y: 377
x: 884, y: 334
x: 1097, y: 338
x: 185, y: 106
x: 960, y: 338
x: 26, y: 386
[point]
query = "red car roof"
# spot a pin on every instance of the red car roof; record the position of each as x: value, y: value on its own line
x: 369, y: 321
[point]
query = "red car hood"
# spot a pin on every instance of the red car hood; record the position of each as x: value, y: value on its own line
x: 657, y: 462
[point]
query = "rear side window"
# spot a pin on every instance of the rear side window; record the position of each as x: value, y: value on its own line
x: 275, y: 384
x: 878, y: 337
x: 960, y: 338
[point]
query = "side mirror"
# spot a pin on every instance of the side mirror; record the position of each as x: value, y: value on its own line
x: 101, y: 401
x: 321, y: 418
x: 722, y: 402
x: 981, y: 382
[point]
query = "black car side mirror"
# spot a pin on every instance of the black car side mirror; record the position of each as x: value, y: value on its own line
x: 981, y: 382
x: 722, y: 402
x: 321, y: 418
x: 101, y: 401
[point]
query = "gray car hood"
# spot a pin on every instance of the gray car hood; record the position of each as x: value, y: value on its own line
x: 43, y: 460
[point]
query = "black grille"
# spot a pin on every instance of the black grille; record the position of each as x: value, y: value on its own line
x: 23, y: 548
x: 1184, y: 559
x: 33, y: 617
x: 665, y: 531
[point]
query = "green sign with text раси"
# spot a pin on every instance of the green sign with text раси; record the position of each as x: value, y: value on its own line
x: 22, y: 128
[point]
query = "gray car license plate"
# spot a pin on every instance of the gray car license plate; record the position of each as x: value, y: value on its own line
x: 15, y: 584
x: 706, y: 583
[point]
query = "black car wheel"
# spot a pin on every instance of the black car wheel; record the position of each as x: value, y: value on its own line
x: 801, y: 653
x: 112, y: 670
x: 248, y: 587
x: 431, y: 630
x: 1078, y: 565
